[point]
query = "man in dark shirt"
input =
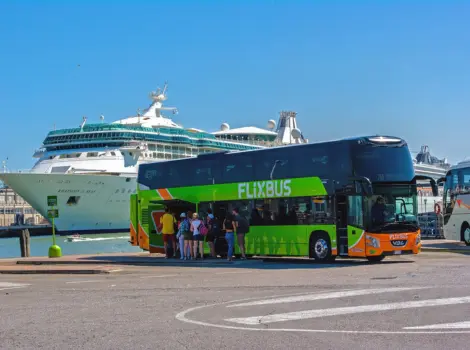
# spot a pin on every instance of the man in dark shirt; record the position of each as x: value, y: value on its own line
x: 378, y: 211
x: 242, y: 228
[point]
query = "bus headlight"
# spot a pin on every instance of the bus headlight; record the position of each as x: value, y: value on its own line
x: 372, y: 242
x: 418, y: 238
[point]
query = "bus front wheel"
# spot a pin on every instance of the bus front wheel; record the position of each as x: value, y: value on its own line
x: 320, y: 248
x: 465, y: 233
x: 376, y: 258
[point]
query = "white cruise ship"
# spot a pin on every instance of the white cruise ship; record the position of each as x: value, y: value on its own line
x: 428, y: 165
x: 92, y: 169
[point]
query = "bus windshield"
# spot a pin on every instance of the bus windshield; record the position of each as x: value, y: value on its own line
x: 382, y: 163
x: 392, y: 209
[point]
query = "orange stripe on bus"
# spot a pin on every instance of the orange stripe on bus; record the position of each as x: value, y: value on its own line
x: 163, y: 192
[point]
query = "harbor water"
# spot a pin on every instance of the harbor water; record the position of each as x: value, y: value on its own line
x: 92, y: 244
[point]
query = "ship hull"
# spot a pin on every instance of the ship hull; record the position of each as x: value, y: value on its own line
x: 86, y: 203
x: 429, y: 170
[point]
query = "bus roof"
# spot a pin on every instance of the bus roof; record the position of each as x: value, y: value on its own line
x: 460, y: 165
x: 379, y: 139
x: 383, y: 159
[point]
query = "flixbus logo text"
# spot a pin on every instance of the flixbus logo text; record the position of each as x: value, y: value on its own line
x: 264, y: 189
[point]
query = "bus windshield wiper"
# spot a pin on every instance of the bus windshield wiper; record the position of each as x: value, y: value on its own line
x: 394, y: 225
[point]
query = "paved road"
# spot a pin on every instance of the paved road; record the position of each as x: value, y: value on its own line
x: 406, y: 303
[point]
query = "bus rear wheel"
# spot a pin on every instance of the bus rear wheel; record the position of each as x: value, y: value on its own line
x: 320, y: 248
x: 465, y: 233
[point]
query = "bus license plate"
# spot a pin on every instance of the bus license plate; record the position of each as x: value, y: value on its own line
x: 397, y: 252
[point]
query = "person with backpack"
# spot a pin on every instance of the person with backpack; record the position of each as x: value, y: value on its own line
x: 188, y: 238
x: 242, y: 228
x: 181, y: 236
x: 213, y: 227
x: 199, y: 230
x: 229, y: 228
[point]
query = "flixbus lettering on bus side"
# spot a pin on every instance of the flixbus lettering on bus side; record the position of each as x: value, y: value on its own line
x: 264, y: 189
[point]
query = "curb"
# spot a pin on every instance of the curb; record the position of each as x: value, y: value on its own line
x: 66, y: 262
x: 54, y: 271
x: 120, y: 263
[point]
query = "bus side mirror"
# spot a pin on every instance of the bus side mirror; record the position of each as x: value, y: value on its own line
x: 366, y: 189
x: 366, y: 185
x: 435, y: 190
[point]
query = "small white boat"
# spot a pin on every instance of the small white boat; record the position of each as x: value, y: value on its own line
x: 75, y: 238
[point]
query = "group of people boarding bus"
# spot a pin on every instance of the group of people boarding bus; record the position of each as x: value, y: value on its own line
x: 192, y: 232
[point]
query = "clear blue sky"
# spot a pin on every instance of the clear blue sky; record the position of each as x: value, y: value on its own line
x: 386, y: 68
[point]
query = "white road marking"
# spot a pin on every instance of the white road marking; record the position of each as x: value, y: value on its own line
x: 158, y: 276
x: 88, y: 281
x: 10, y: 285
x: 308, y: 314
x: 183, y: 317
x: 457, y: 325
x: 322, y: 296
x: 230, y: 272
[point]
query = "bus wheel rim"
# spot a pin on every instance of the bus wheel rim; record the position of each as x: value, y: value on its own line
x: 321, y: 248
x: 466, y: 235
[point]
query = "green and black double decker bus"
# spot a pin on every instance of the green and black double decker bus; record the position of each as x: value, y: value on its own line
x: 354, y: 197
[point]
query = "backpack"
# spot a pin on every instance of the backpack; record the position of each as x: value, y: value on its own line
x: 215, y: 229
x: 202, y: 229
x: 243, y: 225
x: 184, y: 226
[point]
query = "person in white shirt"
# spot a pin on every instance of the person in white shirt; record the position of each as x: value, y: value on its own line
x: 198, y: 239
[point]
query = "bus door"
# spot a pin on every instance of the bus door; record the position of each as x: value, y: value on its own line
x: 342, y: 224
x: 220, y: 210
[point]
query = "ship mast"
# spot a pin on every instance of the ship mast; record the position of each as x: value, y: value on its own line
x: 158, y: 97
x: 287, y: 131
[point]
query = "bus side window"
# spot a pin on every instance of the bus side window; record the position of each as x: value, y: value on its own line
x: 281, y: 214
x: 447, y: 200
x: 237, y: 168
x: 203, y: 207
x: 300, y: 210
x: 267, y: 210
x: 455, y: 182
x: 244, y: 208
x: 255, y: 218
x: 322, y: 210
x: 465, y: 183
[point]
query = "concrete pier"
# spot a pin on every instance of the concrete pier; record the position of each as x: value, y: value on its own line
x: 34, y: 230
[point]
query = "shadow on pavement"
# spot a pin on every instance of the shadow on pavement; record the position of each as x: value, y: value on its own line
x: 262, y: 263
x: 449, y: 247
